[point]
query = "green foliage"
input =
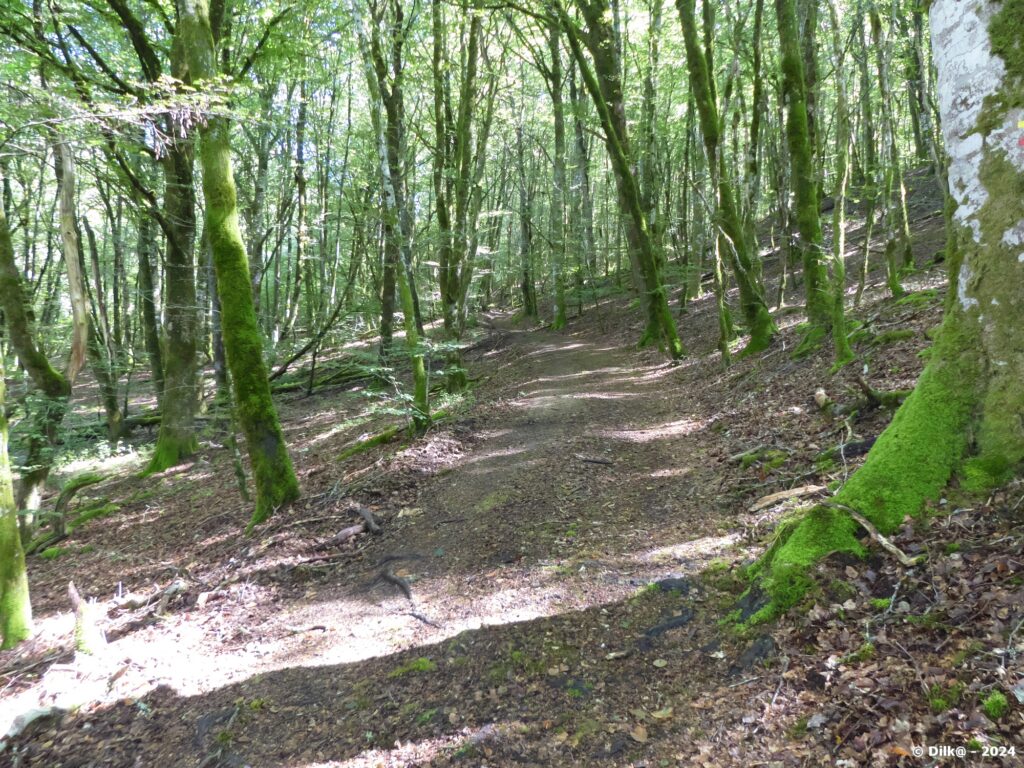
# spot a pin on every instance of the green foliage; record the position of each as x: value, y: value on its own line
x: 918, y: 298
x: 422, y: 664
x: 995, y: 705
x: 425, y: 717
x: 361, y: 446
x: 943, y: 698
x: 95, y: 512
x: 52, y: 553
x: 890, y: 337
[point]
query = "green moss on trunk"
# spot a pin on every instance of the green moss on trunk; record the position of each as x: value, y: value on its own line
x: 820, y: 306
x: 273, y: 475
x: 176, y: 440
x: 15, y: 606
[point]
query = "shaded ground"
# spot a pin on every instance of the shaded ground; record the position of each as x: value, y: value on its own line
x: 571, y: 543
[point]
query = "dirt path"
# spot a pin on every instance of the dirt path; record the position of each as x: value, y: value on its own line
x: 570, y: 543
x: 530, y: 535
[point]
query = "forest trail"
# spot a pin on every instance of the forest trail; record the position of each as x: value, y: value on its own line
x: 570, y: 541
x: 531, y: 532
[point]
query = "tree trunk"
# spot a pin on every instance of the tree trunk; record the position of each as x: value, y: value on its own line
x: 176, y: 440
x: 820, y: 302
x: 732, y: 240
x: 276, y: 484
x: 603, y: 82
x: 15, y: 606
x: 956, y: 419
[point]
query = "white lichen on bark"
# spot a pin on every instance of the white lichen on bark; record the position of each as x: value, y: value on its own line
x: 967, y: 73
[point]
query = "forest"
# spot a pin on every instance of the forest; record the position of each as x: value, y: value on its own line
x: 511, y: 383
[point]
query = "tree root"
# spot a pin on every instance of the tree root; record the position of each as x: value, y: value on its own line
x: 388, y: 574
x: 904, y: 559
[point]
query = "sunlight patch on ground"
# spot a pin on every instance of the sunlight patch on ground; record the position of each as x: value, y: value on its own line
x: 337, y: 429
x: 419, y: 753
x: 661, y: 432
x: 499, y: 453
x: 672, y: 472
x: 550, y: 349
x: 697, y: 548
x: 587, y: 374
x: 128, y: 461
x: 606, y: 395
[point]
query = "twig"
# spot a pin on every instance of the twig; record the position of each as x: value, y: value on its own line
x: 744, y: 682
x: 388, y: 574
x: 11, y: 671
x: 594, y: 460
x: 423, y: 618
x: 309, y: 520
x: 793, y: 493
x: 367, y: 515
x: 300, y: 630
x: 1009, y: 644
x: 905, y: 560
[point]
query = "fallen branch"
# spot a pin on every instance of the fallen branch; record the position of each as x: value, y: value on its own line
x: 367, y: 515
x: 58, y: 518
x: 594, y: 460
x: 388, y: 574
x: 343, y: 536
x: 363, y: 445
x: 301, y: 630
x: 423, y: 618
x: 774, y: 498
x: 904, y: 559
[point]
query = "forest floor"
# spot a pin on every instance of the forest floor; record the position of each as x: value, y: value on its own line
x: 570, y: 541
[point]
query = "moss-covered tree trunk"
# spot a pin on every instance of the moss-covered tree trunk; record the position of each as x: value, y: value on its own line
x: 898, y: 249
x: 963, y: 415
x: 733, y: 244
x: 15, y: 608
x: 526, y: 286
x: 176, y: 440
x: 841, y: 344
x: 385, y: 85
x: 147, y: 305
x: 603, y: 82
x: 273, y: 475
x: 558, y: 193
x: 821, y: 303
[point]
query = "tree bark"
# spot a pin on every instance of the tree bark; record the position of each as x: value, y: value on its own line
x: 276, y: 484
x: 956, y: 419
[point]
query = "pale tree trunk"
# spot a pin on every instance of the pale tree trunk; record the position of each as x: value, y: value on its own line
x: 964, y: 414
x: 387, y: 97
x: 558, y: 176
x: 51, y: 410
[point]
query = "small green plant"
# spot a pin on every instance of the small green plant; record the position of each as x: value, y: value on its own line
x: 944, y: 698
x: 964, y: 654
x: 865, y: 653
x: 891, y: 337
x: 951, y: 547
x: 224, y: 738
x: 422, y: 664
x: 995, y: 705
x: 425, y: 717
x: 257, y: 704
x: 918, y: 298
x: 881, y: 603
x: 52, y: 553
x: 798, y: 730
